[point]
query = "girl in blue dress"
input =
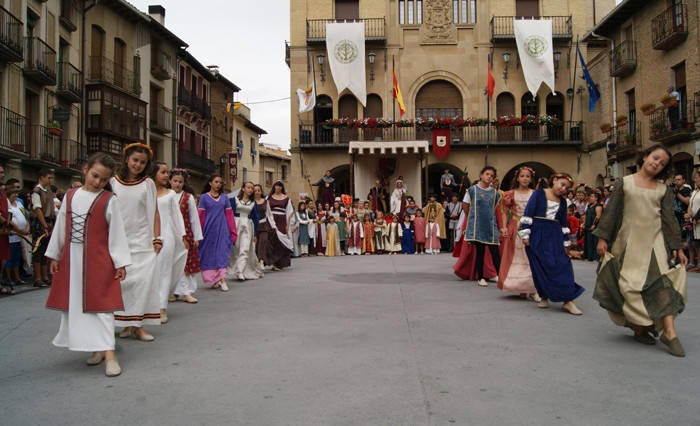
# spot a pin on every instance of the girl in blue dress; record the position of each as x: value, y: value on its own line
x: 544, y: 232
x: 407, y: 236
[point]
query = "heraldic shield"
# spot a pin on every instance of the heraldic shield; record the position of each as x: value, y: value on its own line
x: 441, y: 142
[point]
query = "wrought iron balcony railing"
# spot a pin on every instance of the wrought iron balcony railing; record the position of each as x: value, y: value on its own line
x: 74, y: 155
x: 104, y: 70
x: 11, y: 37
x: 13, y: 134
x: 671, y: 125
x: 190, y: 160
x: 502, y: 27
x: 625, y: 141
x: 568, y: 133
x: 316, y: 29
x: 193, y: 102
x: 623, y: 59
x: 40, y: 62
x: 161, y: 67
x: 161, y: 118
x: 670, y: 27
x: 44, y: 145
x: 69, y: 14
x: 69, y: 82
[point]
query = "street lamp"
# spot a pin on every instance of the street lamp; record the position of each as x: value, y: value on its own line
x: 371, y: 56
x: 321, y: 60
x: 506, y: 60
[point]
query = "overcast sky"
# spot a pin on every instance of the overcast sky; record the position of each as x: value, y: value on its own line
x: 245, y: 38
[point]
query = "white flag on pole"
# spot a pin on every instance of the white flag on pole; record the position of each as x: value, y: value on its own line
x: 307, y: 98
x: 534, y: 40
x: 346, y: 56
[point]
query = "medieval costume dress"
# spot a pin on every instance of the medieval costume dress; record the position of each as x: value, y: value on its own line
x: 320, y: 225
x: 590, y: 241
x: 368, y: 237
x: 545, y: 224
x: 137, y: 205
x: 398, y: 200
x: 280, y: 213
x: 515, y: 275
x: 435, y: 210
x: 432, y: 238
x: 333, y: 240
x: 187, y: 284
x: 243, y: 263
x: 393, y: 238
x: 639, y: 284
x: 220, y: 233
x: 87, y: 240
x: 380, y: 229
x: 408, y: 244
x: 170, y: 261
x: 480, y: 226
x: 303, y: 240
x: 355, y: 235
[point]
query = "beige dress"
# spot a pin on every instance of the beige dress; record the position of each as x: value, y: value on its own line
x: 646, y: 280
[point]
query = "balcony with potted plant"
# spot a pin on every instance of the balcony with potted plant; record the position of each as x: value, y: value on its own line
x: 648, y: 108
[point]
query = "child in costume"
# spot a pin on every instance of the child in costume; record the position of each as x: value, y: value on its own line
x: 89, y: 255
x: 407, y: 236
x: 432, y: 236
x: 187, y: 284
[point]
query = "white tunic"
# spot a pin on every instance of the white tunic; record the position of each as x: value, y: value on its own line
x: 243, y: 264
x: 80, y: 331
x: 137, y: 204
x: 170, y: 262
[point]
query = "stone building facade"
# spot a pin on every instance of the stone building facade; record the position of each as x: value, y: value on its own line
x: 440, y: 51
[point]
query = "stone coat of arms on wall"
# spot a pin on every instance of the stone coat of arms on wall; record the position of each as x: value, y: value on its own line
x: 437, y: 27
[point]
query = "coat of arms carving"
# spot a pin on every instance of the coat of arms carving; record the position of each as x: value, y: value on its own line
x: 438, y: 27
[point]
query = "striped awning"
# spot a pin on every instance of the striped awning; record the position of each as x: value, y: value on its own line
x: 384, y: 147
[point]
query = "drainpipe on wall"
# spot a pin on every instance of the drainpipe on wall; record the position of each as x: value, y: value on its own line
x: 614, y: 83
x: 173, y: 115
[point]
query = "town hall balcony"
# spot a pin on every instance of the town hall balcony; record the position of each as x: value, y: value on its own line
x: 375, y: 29
x: 502, y: 29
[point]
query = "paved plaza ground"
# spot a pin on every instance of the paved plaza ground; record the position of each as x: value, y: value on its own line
x: 364, y: 340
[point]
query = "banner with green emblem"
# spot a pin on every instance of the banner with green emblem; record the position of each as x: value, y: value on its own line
x: 534, y: 40
x: 346, y: 56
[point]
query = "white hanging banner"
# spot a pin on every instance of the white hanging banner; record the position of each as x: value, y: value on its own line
x: 534, y: 40
x: 346, y: 57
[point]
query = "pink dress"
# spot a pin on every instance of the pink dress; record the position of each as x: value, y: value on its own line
x: 515, y: 275
x: 419, y: 225
x: 432, y: 240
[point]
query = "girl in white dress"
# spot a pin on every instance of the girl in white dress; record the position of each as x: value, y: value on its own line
x: 243, y: 264
x: 139, y: 208
x: 87, y: 322
x: 187, y: 284
x: 170, y: 262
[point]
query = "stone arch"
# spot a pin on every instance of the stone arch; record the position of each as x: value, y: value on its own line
x: 374, y: 108
x: 418, y: 83
x: 541, y: 171
x: 322, y: 111
x: 435, y: 171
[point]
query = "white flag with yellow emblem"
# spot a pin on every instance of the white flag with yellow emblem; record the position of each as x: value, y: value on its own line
x: 307, y: 98
x: 346, y: 57
x: 534, y: 40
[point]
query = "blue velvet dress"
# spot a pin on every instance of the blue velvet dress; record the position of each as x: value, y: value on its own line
x: 408, y: 237
x: 548, y: 229
x: 482, y: 226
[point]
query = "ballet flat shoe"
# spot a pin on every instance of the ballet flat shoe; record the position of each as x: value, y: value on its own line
x: 125, y: 334
x: 543, y: 304
x: 482, y: 283
x: 144, y: 337
x: 112, y: 368
x: 674, y: 346
x: 95, y: 359
x: 644, y: 338
x: 190, y: 299
x: 571, y: 308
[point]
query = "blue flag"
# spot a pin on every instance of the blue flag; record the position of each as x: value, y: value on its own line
x: 593, y: 92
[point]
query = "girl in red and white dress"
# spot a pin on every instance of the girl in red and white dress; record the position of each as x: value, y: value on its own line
x: 419, y: 226
x: 88, y: 240
x: 138, y: 205
x: 187, y: 284
x: 355, y: 235
x: 432, y: 236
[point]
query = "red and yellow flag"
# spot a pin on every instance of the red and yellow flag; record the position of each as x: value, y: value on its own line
x: 491, y: 84
x: 397, y: 94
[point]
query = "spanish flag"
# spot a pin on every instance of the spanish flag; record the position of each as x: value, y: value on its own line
x: 232, y: 106
x: 491, y: 82
x: 397, y: 94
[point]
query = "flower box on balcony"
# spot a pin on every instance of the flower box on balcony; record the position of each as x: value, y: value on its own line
x: 621, y: 120
x: 56, y: 131
x: 648, y: 109
x: 669, y: 101
x: 605, y: 127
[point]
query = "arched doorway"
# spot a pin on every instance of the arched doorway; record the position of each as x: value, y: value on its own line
x: 435, y: 171
x: 541, y: 171
x: 530, y: 106
x: 347, y: 107
x: 683, y: 164
x: 437, y: 98
x: 505, y: 105
x: 341, y: 174
x: 323, y: 111
x: 555, y: 107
